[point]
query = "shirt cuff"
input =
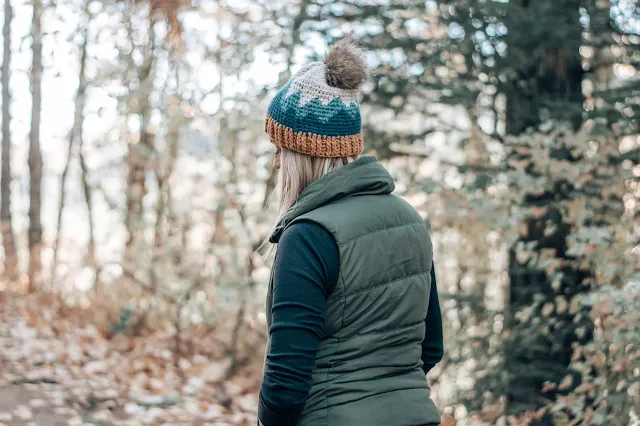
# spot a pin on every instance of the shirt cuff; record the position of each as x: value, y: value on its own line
x: 288, y: 416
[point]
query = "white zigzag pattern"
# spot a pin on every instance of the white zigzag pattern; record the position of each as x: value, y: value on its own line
x: 311, y: 84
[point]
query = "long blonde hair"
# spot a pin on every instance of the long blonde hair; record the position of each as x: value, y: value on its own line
x: 296, y: 172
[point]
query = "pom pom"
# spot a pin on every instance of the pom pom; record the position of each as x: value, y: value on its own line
x: 345, y: 67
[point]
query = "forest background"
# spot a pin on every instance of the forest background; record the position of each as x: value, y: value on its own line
x: 135, y: 192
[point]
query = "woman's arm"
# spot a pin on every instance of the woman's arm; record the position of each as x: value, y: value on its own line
x: 432, y: 345
x: 306, y: 270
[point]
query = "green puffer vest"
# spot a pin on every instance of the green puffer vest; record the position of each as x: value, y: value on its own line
x: 368, y: 365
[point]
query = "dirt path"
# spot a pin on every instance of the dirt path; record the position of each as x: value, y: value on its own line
x: 28, y: 405
x: 41, y: 404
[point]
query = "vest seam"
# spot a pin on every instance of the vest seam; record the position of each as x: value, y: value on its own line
x: 406, y: 277
x: 381, y: 393
x: 380, y: 230
x: 384, y: 330
x: 413, y: 324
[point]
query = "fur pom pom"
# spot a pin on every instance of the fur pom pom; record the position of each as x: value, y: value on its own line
x: 345, y: 67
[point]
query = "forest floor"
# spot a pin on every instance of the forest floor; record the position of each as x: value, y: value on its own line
x: 57, y: 368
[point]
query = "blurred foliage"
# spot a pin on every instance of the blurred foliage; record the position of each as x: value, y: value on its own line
x: 512, y: 126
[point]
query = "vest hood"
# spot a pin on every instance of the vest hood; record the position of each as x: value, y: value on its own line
x: 365, y: 176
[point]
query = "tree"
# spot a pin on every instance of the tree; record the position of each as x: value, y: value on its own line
x: 35, y: 155
x: 6, y: 225
x: 543, y: 72
x: 75, y: 144
x: 140, y: 81
x: 140, y: 151
x: 543, y: 68
x: 563, y: 203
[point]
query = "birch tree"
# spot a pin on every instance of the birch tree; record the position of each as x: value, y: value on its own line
x: 6, y: 225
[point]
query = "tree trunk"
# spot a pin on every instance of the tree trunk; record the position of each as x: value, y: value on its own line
x: 163, y: 176
x: 8, y: 240
x: 35, y: 156
x: 138, y: 158
x: 75, y: 137
x: 547, y: 86
x: 547, y: 83
x: 88, y: 197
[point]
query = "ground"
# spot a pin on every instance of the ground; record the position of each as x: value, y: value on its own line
x: 54, y: 371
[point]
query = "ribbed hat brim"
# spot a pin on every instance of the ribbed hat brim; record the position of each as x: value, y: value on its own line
x: 312, y: 144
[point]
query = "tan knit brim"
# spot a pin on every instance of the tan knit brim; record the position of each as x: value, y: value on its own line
x: 311, y: 144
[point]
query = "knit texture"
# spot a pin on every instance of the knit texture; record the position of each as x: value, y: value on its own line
x: 311, y: 117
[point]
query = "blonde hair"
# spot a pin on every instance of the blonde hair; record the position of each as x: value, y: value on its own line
x: 296, y: 172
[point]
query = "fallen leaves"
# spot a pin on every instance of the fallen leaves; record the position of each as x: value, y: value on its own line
x: 54, y: 372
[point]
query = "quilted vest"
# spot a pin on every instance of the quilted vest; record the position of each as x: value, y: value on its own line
x: 368, y: 364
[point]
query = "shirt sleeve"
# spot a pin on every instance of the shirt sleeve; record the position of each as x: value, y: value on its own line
x: 306, y: 270
x: 432, y: 345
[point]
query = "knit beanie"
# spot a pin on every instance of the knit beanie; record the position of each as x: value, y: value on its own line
x: 317, y: 112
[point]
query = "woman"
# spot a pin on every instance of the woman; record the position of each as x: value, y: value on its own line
x: 352, y: 309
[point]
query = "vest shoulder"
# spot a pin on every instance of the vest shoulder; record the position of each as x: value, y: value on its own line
x: 354, y: 216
